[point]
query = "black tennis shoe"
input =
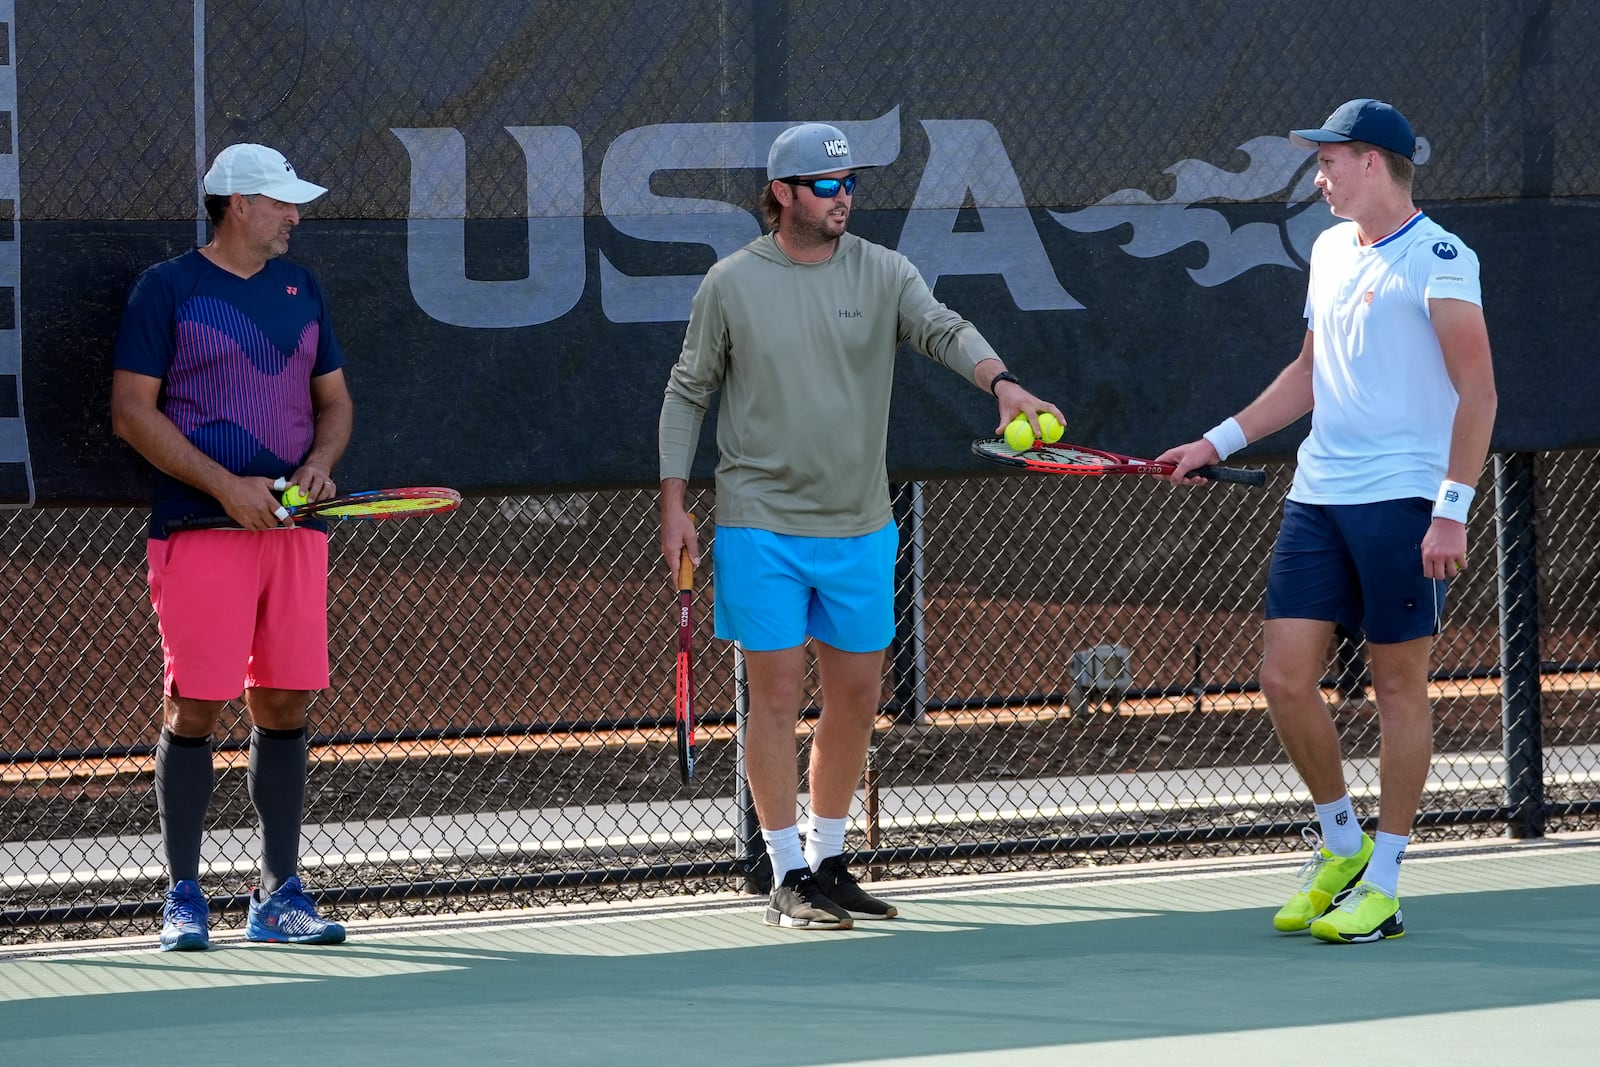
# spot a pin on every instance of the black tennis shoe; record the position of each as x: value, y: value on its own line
x: 800, y: 904
x: 834, y: 876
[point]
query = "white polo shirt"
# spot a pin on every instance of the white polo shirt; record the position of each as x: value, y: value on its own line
x: 1383, y: 404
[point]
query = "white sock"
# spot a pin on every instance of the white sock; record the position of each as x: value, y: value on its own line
x: 1383, y: 869
x: 1341, y: 832
x: 783, y: 846
x: 824, y: 839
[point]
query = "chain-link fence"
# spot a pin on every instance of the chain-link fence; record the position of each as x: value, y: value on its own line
x: 1073, y: 683
x: 535, y: 197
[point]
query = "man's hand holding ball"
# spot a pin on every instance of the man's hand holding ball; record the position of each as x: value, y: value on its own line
x: 1019, y: 432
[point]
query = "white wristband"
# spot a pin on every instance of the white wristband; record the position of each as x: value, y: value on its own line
x: 1454, y: 501
x: 1227, y: 437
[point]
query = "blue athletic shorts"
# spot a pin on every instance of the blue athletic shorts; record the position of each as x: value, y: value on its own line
x: 1358, y: 565
x: 773, y: 590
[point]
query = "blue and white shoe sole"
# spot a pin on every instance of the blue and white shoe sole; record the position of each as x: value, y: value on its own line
x: 190, y: 942
x: 334, y: 935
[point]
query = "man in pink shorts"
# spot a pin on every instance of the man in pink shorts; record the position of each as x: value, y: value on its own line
x: 227, y: 377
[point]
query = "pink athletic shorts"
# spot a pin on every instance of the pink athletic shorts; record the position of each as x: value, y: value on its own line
x: 241, y: 608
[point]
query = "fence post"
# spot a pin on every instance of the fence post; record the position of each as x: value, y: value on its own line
x: 910, y: 655
x: 752, y: 850
x: 1518, y: 558
x: 770, y: 67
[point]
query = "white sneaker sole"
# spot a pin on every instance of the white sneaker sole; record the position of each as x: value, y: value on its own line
x: 774, y: 917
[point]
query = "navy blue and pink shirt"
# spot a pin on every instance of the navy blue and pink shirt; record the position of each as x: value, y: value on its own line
x: 236, y: 357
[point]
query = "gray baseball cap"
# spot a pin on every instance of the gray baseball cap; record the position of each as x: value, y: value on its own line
x: 810, y: 148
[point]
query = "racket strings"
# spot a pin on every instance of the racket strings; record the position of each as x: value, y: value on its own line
x: 389, y: 504
x: 1058, y: 455
x: 1075, y: 457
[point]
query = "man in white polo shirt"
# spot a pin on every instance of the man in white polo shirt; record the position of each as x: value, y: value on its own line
x: 1396, y: 372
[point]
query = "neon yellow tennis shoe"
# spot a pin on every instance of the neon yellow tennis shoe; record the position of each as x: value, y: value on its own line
x: 1365, y: 913
x: 1322, y: 878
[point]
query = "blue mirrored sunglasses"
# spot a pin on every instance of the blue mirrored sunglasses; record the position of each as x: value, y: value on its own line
x: 826, y: 188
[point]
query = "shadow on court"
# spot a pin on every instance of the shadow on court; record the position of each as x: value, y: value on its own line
x: 911, y: 987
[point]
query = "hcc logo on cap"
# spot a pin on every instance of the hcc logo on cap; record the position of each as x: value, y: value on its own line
x: 836, y: 147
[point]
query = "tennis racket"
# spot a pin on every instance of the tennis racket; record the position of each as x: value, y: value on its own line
x: 685, y: 701
x: 1075, y: 459
x: 367, y: 506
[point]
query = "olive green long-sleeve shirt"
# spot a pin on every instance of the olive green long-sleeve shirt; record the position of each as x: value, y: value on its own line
x: 803, y: 354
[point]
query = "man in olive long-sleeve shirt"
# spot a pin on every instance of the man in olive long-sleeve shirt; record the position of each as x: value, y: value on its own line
x: 798, y: 331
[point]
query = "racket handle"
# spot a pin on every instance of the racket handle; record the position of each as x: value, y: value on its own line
x: 686, y: 566
x: 212, y: 522
x: 1237, y: 475
x: 223, y: 522
x: 198, y: 522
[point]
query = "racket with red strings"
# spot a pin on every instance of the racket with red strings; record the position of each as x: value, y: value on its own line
x: 1076, y: 459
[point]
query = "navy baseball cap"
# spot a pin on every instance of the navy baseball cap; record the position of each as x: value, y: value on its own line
x: 1372, y: 121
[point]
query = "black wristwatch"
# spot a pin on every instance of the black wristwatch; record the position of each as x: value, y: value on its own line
x: 1003, y: 376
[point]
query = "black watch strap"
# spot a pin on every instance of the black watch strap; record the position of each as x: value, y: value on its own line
x: 1003, y: 376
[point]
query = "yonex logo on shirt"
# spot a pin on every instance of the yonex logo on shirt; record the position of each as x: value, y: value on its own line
x: 1445, y: 250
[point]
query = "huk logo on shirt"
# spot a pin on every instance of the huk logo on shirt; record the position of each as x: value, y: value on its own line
x: 849, y: 313
x: 836, y: 147
x: 1445, y: 250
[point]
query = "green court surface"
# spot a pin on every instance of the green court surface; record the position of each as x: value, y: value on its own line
x: 1169, y: 964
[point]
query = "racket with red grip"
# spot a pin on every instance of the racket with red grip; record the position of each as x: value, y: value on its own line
x: 684, y: 707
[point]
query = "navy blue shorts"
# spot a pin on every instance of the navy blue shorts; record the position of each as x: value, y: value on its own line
x: 1357, y: 565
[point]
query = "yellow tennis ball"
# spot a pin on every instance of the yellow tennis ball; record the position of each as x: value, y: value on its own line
x: 1050, y: 428
x: 1019, y: 435
x: 293, y: 496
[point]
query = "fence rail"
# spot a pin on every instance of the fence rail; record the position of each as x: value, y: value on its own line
x: 1072, y: 683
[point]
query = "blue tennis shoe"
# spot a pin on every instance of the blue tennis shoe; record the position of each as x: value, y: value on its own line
x: 288, y: 917
x: 184, y: 919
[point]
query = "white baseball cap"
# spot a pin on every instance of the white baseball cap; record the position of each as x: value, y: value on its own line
x: 255, y: 168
